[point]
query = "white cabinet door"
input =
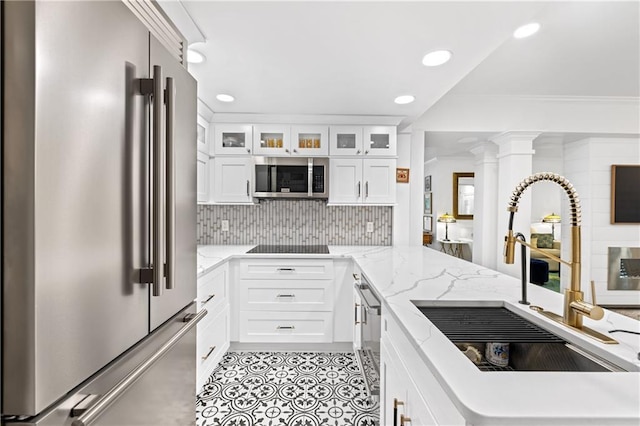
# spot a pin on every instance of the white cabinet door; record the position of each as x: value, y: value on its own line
x: 345, y: 140
x: 271, y: 140
x: 380, y: 141
x: 232, y: 139
x: 203, y: 135
x: 202, y: 177
x: 345, y: 181
x: 232, y: 181
x: 379, y: 177
x: 310, y: 141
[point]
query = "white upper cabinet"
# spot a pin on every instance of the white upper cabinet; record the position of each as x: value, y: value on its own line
x: 271, y: 140
x: 368, y: 141
x: 202, y: 167
x: 345, y: 140
x: 380, y: 141
x: 203, y: 135
x: 345, y: 181
x: 232, y: 139
x: 310, y: 141
x: 232, y: 180
x: 357, y: 181
x: 379, y: 176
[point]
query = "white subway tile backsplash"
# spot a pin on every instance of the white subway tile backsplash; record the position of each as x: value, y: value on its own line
x: 294, y: 222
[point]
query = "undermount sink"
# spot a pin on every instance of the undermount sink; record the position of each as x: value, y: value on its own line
x: 531, y: 347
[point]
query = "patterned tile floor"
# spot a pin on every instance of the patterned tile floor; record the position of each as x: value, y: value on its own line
x: 286, y: 388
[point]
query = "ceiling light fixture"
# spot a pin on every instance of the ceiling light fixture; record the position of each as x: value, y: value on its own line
x: 225, y: 98
x: 526, y: 30
x: 194, y: 57
x: 435, y: 58
x: 404, y: 99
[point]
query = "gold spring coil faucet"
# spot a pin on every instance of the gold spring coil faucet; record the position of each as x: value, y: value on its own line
x: 574, y: 305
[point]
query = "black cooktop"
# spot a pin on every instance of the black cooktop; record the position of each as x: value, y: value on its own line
x: 294, y: 249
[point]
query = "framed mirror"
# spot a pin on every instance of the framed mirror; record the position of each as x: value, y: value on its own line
x: 463, y: 195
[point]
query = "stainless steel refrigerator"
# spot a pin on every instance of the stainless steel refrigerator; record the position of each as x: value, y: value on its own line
x: 98, y: 219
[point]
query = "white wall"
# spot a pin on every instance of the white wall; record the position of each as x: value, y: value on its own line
x: 441, y: 170
x: 588, y: 166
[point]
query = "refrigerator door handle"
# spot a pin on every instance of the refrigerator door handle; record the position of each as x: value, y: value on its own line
x: 91, y: 414
x: 170, y: 201
x: 158, y: 182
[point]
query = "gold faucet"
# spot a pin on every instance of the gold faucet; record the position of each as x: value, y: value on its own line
x: 574, y: 305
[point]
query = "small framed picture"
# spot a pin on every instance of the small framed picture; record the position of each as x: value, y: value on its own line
x: 402, y: 175
x: 427, y: 203
x: 427, y: 183
x: 427, y: 223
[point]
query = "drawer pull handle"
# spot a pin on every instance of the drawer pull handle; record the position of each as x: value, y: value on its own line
x: 404, y: 420
x: 396, y: 403
x: 287, y: 269
x: 286, y: 327
x: 286, y: 295
x: 211, y: 296
x: 355, y: 314
x: 211, y: 349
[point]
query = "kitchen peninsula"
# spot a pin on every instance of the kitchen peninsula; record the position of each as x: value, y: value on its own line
x: 405, y: 274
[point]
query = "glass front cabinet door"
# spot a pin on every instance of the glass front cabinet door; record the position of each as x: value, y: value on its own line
x: 271, y: 140
x: 380, y: 141
x: 310, y: 141
x: 232, y: 139
x: 345, y: 140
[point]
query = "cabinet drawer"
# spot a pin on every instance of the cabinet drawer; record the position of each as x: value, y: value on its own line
x: 212, y: 343
x: 212, y: 288
x: 286, y: 269
x: 298, y: 327
x: 286, y: 295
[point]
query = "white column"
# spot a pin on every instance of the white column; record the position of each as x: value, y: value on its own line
x: 515, y: 156
x: 486, y: 205
x: 402, y: 209
x: 416, y: 182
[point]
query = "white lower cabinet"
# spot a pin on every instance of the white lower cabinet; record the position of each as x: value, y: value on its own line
x: 214, y: 330
x: 286, y: 326
x: 212, y: 343
x: 407, y: 388
x: 285, y: 300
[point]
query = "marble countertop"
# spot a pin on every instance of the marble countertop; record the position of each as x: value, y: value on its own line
x: 403, y: 274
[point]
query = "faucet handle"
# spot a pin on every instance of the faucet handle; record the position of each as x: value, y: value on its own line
x: 593, y: 293
x: 592, y: 311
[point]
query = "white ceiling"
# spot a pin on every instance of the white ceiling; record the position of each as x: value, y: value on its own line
x: 354, y: 58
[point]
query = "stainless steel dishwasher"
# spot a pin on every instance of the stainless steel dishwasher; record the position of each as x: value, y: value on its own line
x: 367, y: 320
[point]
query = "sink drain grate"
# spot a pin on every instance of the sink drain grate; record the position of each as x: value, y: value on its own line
x: 486, y: 324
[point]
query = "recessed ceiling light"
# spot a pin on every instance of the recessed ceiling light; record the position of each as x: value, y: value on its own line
x: 404, y: 99
x: 225, y: 98
x: 436, y: 58
x: 194, y: 57
x: 526, y: 30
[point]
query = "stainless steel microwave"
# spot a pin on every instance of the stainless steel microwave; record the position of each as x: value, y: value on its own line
x: 291, y: 177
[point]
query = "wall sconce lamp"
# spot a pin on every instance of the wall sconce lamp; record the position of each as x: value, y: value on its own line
x: 552, y: 219
x: 446, y: 219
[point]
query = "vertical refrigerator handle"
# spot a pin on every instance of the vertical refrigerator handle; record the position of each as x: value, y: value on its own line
x: 170, y: 201
x: 158, y: 182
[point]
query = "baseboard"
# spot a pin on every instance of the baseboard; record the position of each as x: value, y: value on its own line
x: 291, y: 347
